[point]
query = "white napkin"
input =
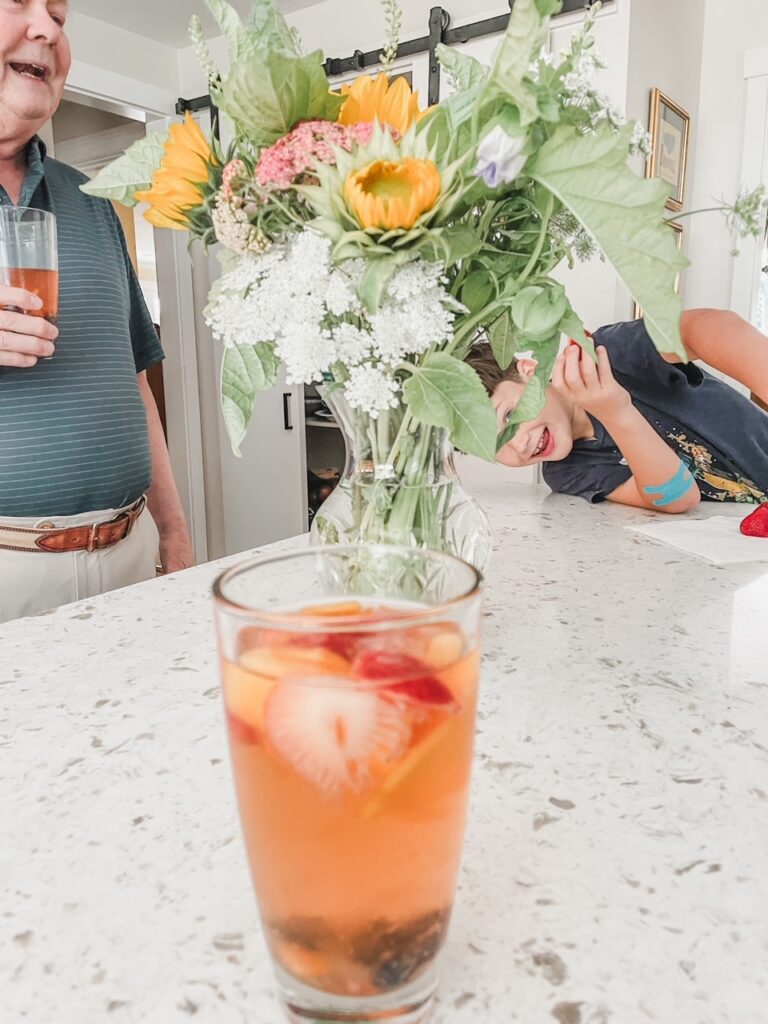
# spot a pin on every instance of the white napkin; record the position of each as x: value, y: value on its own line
x: 716, y: 540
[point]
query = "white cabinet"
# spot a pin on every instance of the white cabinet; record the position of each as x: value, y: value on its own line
x: 264, y: 491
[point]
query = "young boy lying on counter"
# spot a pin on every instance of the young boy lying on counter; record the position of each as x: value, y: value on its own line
x: 641, y: 428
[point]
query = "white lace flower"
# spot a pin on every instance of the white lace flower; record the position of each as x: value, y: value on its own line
x: 306, y: 351
x: 372, y: 389
x: 417, y: 312
x: 294, y: 297
x: 353, y: 344
x: 341, y: 293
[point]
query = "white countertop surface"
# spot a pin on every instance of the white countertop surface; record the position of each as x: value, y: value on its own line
x: 615, y: 864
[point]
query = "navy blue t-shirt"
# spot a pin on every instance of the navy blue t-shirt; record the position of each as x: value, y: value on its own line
x: 720, y: 435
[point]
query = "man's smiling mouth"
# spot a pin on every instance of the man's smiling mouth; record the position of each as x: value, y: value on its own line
x: 37, y: 72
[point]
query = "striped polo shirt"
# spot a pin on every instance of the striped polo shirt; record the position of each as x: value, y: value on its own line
x: 73, y: 428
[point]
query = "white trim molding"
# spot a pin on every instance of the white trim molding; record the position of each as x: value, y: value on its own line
x: 754, y: 171
x: 89, y: 80
x: 182, y: 400
x: 756, y: 63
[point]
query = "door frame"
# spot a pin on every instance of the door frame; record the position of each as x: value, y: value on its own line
x: 754, y: 171
x: 175, y: 284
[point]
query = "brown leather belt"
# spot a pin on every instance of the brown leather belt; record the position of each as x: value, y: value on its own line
x: 94, y: 537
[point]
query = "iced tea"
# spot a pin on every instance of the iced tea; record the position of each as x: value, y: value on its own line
x: 351, y: 727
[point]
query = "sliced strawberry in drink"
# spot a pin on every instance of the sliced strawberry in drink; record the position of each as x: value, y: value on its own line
x: 248, y: 684
x: 336, y: 737
x: 342, y: 643
x: 240, y: 731
x: 406, y: 677
x: 276, y: 662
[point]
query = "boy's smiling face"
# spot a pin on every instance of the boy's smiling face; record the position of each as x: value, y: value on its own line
x: 548, y: 438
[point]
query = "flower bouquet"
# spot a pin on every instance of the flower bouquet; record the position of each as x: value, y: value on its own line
x: 366, y: 245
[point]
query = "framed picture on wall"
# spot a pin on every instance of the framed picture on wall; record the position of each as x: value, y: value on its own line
x: 678, y: 229
x: 670, y: 128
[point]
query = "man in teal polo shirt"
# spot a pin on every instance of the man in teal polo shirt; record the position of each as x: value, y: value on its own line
x: 81, y: 442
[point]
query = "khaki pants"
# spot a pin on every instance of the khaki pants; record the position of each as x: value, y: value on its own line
x: 32, y: 581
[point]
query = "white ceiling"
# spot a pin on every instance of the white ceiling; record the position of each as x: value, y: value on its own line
x: 165, y: 20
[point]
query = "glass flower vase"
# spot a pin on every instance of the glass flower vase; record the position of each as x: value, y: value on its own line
x: 399, y: 486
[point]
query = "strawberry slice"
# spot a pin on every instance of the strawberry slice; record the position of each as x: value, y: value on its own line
x: 343, y: 644
x: 240, y: 731
x: 336, y: 737
x: 756, y: 524
x: 404, y: 676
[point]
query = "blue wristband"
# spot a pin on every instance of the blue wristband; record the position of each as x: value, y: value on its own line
x: 673, y: 489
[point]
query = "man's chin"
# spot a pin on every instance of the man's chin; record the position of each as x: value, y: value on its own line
x: 30, y: 107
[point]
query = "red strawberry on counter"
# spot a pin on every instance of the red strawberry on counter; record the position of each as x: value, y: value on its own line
x: 756, y: 524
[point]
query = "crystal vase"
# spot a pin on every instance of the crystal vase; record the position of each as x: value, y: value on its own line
x: 399, y: 486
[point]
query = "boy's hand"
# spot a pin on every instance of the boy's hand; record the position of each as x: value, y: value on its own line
x: 591, y: 387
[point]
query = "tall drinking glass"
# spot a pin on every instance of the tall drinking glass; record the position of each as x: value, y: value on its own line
x: 29, y: 255
x: 349, y: 679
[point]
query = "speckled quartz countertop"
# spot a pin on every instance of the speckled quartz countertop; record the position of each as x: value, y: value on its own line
x: 615, y: 865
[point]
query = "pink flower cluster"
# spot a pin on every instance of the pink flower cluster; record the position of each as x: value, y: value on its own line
x: 300, y: 151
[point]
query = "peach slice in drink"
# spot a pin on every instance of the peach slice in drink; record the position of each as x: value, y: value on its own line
x: 247, y: 685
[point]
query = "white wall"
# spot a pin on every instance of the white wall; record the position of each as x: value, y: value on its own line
x: 102, y: 45
x: 666, y: 52
x: 122, y: 66
x: 594, y: 289
x: 731, y: 28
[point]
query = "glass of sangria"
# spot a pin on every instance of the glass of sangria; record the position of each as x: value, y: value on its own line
x: 349, y: 679
x: 29, y: 256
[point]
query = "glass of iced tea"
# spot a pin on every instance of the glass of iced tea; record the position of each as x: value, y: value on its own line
x: 349, y: 679
x: 29, y: 255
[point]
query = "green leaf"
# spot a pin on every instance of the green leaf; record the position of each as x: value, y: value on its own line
x: 445, y: 392
x: 538, y: 309
x: 624, y: 214
x: 246, y: 370
x: 130, y: 173
x: 528, y: 408
x: 477, y: 290
x: 449, y: 125
x: 524, y: 38
x: 503, y: 339
x: 377, y: 276
x: 230, y: 25
x: 451, y: 244
x: 573, y: 326
x: 547, y: 8
x: 545, y: 353
x: 267, y: 31
x: 269, y: 27
x: 268, y: 94
x: 463, y: 71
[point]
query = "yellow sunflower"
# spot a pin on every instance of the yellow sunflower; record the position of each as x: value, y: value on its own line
x: 390, y: 195
x: 177, y: 185
x: 375, y: 99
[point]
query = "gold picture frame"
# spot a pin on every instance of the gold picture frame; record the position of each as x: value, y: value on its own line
x: 678, y: 228
x: 670, y: 128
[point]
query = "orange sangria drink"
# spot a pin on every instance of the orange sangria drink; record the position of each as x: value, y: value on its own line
x: 350, y: 709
